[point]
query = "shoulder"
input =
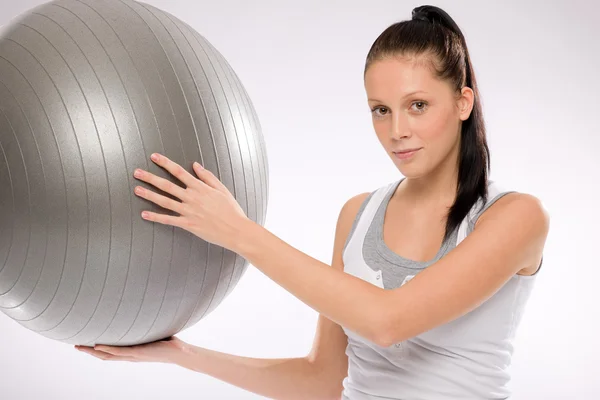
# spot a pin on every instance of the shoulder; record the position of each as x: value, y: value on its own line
x: 350, y: 210
x: 521, y: 222
x: 348, y: 217
x: 345, y: 226
x: 354, y: 206
x: 516, y: 207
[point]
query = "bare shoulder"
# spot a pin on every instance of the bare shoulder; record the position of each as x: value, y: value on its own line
x: 345, y: 220
x: 350, y: 210
x: 523, y: 206
x: 523, y: 213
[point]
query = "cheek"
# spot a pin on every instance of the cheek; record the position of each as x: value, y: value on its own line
x: 440, y: 132
x: 382, y: 131
x: 435, y: 127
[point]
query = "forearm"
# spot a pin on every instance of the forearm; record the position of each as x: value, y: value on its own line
x: 344, y: 299
x: 286, y: 378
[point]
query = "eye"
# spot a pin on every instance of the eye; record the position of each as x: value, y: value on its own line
x: 421, y: 106
x: 379, y: 111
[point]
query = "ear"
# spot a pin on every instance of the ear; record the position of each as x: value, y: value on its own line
x: 465, y: 103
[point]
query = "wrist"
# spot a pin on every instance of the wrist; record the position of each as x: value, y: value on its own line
x: 245, y: 238
x: 185, y: 356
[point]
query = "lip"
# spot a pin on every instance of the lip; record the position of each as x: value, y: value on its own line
x: 407, y: 150
x: 406, y: 154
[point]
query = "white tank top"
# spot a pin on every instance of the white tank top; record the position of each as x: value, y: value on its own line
x: 467, y: 358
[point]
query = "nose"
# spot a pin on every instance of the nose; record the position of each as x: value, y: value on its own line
x: 399, y: 128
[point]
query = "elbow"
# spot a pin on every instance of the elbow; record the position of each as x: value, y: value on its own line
x: 387, y: 331
x: 385, y: 339
x: 381, y: 322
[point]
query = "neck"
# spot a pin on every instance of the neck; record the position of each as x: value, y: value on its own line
x: 437, y: 187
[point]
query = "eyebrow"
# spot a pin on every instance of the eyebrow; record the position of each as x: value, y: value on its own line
x: 405, y: 96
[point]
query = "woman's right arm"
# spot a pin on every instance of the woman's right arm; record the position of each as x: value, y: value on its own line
x: 319, y: 375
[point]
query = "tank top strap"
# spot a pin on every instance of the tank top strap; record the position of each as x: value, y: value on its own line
x: 495, y: 191
x: 355, y: 244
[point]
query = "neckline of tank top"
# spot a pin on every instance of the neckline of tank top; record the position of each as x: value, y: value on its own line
x: 383, y: 249
x: 391, y: 256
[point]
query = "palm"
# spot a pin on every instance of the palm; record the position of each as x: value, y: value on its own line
x: 161, y: 351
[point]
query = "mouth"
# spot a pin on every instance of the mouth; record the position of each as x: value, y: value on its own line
x: 407, y: 153
x: 407, y: 150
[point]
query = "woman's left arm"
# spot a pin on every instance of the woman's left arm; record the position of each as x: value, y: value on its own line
x: 508, y: 237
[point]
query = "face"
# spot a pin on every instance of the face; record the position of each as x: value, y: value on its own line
x: 416, y: 116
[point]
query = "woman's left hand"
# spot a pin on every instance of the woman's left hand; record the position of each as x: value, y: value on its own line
x: 206, y: 207
x: 163, y: 351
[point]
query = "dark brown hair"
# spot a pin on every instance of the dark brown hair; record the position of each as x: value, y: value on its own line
x: 432, y: 32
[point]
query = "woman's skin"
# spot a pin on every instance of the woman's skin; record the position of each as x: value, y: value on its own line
x: 508, y: 239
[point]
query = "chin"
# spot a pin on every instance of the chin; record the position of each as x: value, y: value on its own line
x: 410, y: 170
x: 412, y: 175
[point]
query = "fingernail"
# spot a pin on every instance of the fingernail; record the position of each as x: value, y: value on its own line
x: 137, y: 173
x: 197, y: 164
x: 154, y: 157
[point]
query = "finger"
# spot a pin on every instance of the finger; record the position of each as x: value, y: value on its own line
x: 116, y: 353
x: 174, y: 169
x: 164, y: 219
x: 161, y: 183
x: 209, y: 178
x: 105, y: 356
x: 116, y: 350
x: 160, y: 200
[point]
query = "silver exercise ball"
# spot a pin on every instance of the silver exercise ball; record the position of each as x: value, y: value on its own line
x: 88, y: 90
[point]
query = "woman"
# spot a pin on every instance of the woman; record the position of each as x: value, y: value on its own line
x: 401, y: 315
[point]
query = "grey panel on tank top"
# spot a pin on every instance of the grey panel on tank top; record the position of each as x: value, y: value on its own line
x: 396, y: 268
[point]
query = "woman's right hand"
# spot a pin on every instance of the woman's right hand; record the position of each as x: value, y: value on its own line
x: 169, y: 351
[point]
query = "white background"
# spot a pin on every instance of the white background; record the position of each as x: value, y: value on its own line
x: 537, y: 65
